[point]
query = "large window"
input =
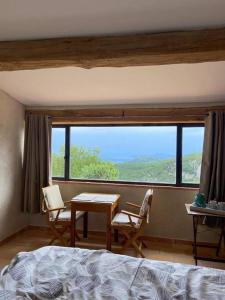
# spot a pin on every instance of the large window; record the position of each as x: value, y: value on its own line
x: 192, y: 144
x: 58, y: 152
x: 158, y: 154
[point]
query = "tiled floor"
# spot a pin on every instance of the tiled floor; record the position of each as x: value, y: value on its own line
x: 31, y: 239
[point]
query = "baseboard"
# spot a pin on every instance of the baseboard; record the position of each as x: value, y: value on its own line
x: 172, y: 241
x: 36, y: 227
x: 152, y: 239
x: 13, y: 235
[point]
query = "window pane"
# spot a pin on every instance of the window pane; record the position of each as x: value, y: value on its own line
x: 124, y: 153
x: 58, y: 152
x: 192, y: 154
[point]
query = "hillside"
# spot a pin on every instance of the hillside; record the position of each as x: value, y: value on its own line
x: 87, y: 164
x: 160, y: 170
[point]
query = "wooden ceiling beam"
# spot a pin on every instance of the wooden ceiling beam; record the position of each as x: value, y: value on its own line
x: 126, y: 112
x: 115, y: 51
x: 128, y: 120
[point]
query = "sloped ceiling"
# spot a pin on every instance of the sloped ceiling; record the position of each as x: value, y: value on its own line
x: 134, y: 85
x: 29, y: 19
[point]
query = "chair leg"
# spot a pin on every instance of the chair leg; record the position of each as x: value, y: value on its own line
x: 52, y: 240
x: 116, y: 235
x: 144, y: 244
x: 62, y: 239
x: 140, y: 244
x: 138, y: 249
x: 59, y: 235
x: 127, y: 241
x: 135, y: 238
x: 77, y: 236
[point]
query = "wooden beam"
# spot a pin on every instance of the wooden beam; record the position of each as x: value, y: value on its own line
x: 115, y: 51
x: 101, y: 112
x: 128, y: 115
x: 128, y: 120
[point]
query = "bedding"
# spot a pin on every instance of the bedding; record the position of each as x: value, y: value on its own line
x: 71, y: 273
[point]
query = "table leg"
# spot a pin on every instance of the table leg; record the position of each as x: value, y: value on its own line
x: 195, y: 227
x: 221, y: 238
x: 116, y: 234
x: 108, y: 229
x: 73, y: 228
x: 85, y: 225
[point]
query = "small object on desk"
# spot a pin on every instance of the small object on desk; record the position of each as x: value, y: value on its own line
x: 212, y: 204
x: 208, y: 210
x: 199, y: 200
x: 221, y: 205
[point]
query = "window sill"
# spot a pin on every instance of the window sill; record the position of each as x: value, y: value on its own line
x: 126, y: 185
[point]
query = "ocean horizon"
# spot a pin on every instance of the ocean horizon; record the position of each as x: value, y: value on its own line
x: 122, y: 144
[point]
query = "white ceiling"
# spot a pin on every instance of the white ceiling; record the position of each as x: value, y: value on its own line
x: 103, y: 86
x: 27, y: 19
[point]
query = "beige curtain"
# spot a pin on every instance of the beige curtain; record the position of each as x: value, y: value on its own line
x: 37, y: 149
x: 212, y: 181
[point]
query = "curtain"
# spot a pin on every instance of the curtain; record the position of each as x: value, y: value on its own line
x: 36, y: 167
x: 212, y: 181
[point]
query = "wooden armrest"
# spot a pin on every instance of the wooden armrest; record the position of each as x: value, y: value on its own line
x: 131, y: 214
x: 56, y: 209
x: 133, y: 204
x: 67, y: 202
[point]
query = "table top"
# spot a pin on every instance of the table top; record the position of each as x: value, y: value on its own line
x: 196, y: 213
x: 96, y: 198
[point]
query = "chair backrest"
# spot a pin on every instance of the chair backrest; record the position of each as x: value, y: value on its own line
x: 146, y: 204
x: 53, y: 199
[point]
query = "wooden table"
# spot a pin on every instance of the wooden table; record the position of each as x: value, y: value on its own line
x: 196, y: 216
x: 95, y: 202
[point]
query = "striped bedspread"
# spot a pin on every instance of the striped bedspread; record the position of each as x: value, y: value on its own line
x: 67, y: 273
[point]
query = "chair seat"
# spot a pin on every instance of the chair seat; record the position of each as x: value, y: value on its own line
x: 122, y: 219
x: 66, y: 215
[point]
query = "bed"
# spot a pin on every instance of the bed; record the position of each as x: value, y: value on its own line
x: 71, y: 273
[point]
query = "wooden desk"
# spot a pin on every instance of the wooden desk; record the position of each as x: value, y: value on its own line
x: 196, y: 216
x: 92, y: 202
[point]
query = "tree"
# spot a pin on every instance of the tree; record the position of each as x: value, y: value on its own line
x: 58, y: 163
x: 100, y: 170
x: 84, y: 163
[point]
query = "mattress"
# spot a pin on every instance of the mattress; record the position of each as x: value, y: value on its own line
x: 71, y: 273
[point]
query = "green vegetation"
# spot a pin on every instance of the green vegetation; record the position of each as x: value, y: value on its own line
x: 192, y: 168
x: 84, y: 163
x: 148, y: 170
x: 87, y: 164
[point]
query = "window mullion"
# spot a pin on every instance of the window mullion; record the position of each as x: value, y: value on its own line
x: 67, y: 153
x: 179, y: 155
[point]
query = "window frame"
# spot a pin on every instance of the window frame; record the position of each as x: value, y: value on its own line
x: 179, y: 153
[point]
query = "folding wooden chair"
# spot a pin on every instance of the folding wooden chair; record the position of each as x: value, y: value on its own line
x: 131, y: 225
x: 58, y: 215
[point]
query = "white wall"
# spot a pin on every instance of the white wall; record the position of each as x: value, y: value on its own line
x: 11, y: 146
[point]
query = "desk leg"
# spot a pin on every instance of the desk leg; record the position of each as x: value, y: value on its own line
x: 73, y: 228
x: 116, y: 234
x: 108, y: 229
x: 221, y: 238
x: 85, y: 225
x: 195, y: 227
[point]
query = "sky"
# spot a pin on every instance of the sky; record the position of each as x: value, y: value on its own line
x: 124, y: 143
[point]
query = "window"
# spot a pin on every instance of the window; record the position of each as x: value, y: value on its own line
x: 192, y: 145
x: 159, y: 154
x: 58, y: 152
